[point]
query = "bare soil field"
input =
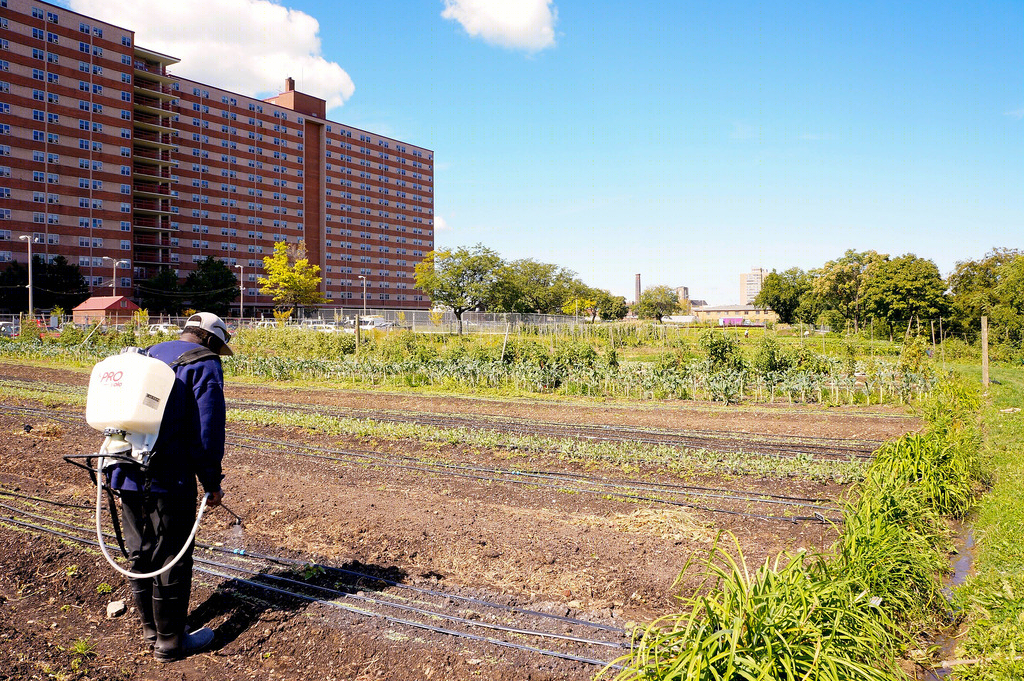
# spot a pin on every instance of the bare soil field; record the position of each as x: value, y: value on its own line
x: 391, y: 559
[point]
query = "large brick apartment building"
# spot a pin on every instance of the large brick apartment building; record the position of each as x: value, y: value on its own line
x: 104, y: 153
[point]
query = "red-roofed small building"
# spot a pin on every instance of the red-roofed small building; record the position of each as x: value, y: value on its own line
x: 105, y: 310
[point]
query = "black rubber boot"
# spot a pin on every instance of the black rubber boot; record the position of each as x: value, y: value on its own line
x: 170, y: 609
x: 142, y: 590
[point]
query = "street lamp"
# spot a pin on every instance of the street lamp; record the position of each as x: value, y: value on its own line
x: 241, y: 292
x: 113, y: 276
x: 29, y: 240
x: 364, y: 294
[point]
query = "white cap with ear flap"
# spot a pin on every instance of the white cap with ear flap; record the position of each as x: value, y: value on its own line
x: 214, y: 325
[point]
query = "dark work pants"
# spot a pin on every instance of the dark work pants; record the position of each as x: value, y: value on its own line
x: 155, y: 528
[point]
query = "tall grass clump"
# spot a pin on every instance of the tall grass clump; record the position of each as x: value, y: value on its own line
x: 943, y: 469
x: 893, y: 545
x: 794, y: 618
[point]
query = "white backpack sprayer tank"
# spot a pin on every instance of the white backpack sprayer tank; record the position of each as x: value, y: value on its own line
x: 126, y: 401
x: 128, y: 394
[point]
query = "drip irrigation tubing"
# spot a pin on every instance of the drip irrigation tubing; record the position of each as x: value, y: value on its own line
x: 49, y: 413
x: 45, y: 501
x: 358, y: 611
x: 666, y: 488
x: 817, y: 517
x: 245, y: 553
x: 829, y: 447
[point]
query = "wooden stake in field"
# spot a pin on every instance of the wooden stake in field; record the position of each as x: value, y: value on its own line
x: 942, y: 346
x: 357, y: 335
x: 984, y: 352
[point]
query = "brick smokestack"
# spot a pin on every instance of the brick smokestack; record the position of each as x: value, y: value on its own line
x: 637, y: 288
x: 289, y: 84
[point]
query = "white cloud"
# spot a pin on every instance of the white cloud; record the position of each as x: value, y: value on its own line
x: 517, y: 24
x: 1017, y: 113
x: 440, y: 224
x: 245, y: 46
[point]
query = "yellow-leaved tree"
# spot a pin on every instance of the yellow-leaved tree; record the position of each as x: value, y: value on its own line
x: 291, y: 281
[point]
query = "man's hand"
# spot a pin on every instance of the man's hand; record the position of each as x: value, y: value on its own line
x: 215, y: 497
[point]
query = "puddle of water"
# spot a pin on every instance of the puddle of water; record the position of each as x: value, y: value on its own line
x: 961, y: 570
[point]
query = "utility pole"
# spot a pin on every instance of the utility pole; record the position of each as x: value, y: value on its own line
x: 31, y: 306
x: 984, y: 352
x: 364, y: 294
x: 241, y: 292
x: 113, y: 275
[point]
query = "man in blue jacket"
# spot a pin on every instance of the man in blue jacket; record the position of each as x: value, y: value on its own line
x: 159, y: 506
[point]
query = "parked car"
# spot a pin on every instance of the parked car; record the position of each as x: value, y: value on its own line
x: 42, y: 329
x: 164, y: 328
x: 377, y: 323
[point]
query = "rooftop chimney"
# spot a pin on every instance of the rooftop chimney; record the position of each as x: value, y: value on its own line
x: 289, y: 84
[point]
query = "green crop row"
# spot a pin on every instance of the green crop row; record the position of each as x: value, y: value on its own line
x: 851, y: 613
x: 629, y: 454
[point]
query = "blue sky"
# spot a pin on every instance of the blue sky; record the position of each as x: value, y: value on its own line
x: 687, y: 142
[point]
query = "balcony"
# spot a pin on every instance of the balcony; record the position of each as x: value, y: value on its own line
x: 154, y: 91
x: 152, y: 157
x: 151, y: 173
x: 151, y: 223
x: 160, y: 190
x: 152, y: 140
x: 154, y: 122
x: 155, y: 258
x: 150, y: 240
x: 140, y: 205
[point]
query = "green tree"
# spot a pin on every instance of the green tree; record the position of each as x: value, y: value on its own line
x: 161, y: 294
x: 291, y: 281
x: 526, y: 286
x: 463, y: 279
x: 611, y: 307
x: 579, y: 305
x: 59, y: 284
x: 54, y: 284
x: 840, y: 284
x: 13, y: 283
x: 1007, y: 315
x: 656, y: 302
x: 782, y: 293
x: 212, y: 287
x: 811, y: 305
x: 979, y: 287
x: 903, y: 289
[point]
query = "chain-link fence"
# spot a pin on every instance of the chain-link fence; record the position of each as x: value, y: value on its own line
x: 429, y: 321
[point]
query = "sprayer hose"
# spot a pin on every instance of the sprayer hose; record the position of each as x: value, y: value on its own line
x: 103, y: 547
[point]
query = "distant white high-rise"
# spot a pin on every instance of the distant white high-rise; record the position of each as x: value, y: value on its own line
x: 750, y: 284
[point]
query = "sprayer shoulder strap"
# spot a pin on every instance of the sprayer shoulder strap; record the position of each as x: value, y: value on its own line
x: 194, y: 355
